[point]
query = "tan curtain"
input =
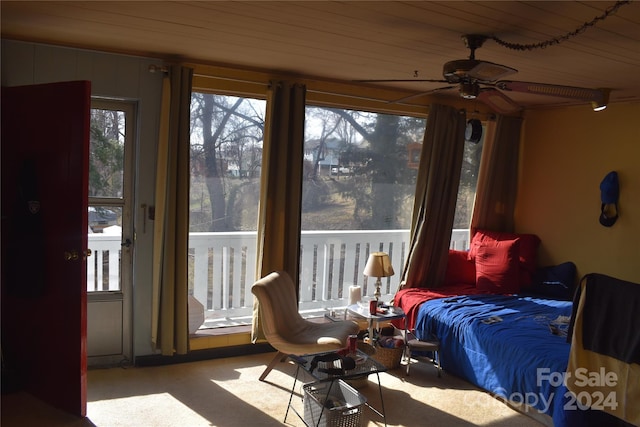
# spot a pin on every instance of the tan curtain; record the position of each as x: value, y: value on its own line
x: 170, y: 330
x: 281, y: 188
x: 436, y: 195
x: 498, y: 176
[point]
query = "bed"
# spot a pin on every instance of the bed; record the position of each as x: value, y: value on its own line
x: 510, y: 346
x: 513, y: 344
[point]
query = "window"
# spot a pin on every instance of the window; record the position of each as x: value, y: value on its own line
x: 466, y: 193
x: 226, y: 157
x: 358, y: 193
x: 360, y: 170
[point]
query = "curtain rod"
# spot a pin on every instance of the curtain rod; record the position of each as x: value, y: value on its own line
x: 231, y: 79
x: 475, y: 112
x: 322, y: 92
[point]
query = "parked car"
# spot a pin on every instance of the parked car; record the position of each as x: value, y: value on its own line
x: 100, y: 218
x: 340, y: 170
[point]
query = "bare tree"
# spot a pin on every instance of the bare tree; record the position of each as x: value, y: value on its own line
x: 106, y: 160
x: 226, y: 127
x: 227, y: 134
x: 379, y: 163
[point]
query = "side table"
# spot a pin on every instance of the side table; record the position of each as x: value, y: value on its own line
x: 373, y: 320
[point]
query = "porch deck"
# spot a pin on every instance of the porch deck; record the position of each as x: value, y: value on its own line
x: 222, y: 269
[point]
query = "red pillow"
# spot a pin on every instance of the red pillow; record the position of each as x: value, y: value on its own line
x: 498, y: 267
x: 460, y: 269
x: 527, y: 253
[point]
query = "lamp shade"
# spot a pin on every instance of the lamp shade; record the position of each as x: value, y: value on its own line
x: 378, y: 265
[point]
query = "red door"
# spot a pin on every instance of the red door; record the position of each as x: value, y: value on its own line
x: 45, y: 143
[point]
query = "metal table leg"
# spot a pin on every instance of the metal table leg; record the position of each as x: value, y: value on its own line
x: 383, y: 414
x: 295, y: 379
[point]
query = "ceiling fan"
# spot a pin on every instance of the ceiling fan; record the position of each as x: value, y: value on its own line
x: 477, y: 79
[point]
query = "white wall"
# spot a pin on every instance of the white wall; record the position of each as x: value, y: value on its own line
x: 111, y: 76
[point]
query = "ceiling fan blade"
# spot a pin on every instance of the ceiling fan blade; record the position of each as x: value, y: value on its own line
x: 489, y: 72
x: 498, y: 101
x: 400, y: 81
x: 474, y: 70
x: 572, y: 92
x: 406, y: 98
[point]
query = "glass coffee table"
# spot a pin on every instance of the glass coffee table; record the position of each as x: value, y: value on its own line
x: 364, y: 366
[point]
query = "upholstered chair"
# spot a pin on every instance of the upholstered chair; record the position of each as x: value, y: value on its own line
x: 286, y: 330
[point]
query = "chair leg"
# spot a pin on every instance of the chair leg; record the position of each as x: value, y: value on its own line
x: 279, y: 357
x: 436, y: 360
x: 408, y: 358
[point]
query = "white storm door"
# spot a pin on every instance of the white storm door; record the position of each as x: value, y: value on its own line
x: 111, y: 235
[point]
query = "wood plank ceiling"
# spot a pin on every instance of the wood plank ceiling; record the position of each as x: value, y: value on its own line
x: 353, y: 40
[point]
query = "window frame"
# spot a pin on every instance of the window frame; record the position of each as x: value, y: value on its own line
x: 255, y: 84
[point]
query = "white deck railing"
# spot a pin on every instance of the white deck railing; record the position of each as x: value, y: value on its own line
x: 103, y: 266
x: 222, y: 268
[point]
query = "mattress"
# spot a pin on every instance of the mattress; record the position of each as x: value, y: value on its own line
x: 515, y: 347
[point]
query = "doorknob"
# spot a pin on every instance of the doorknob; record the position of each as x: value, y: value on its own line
x: 127, y: 243
x: 71, y: 255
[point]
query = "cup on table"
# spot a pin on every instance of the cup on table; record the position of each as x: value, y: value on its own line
x: 373, y: 307
x: 352, y: 344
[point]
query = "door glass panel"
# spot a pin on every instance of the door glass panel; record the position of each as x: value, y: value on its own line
x: 106, y: 198
x: 105, y: 240
x: 104, y: 219
x: 106, y: 171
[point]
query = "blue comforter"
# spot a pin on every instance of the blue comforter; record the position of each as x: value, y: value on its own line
x: 514, y: 347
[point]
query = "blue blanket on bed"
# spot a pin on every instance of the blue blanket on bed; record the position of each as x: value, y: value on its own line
x: 514, y: 347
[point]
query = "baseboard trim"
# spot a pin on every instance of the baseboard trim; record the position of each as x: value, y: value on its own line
x: 205, y: 354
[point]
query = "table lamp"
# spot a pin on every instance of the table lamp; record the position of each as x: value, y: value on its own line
x: 378, y: 265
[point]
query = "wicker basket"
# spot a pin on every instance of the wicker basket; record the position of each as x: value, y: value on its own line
x: 366, y: 348
x: 389, y: 357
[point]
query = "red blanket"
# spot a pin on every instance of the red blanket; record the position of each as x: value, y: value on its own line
x: 409, y: 299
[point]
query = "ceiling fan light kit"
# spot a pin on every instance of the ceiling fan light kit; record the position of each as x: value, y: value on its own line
x: 600, y: 102
x: 469, y: 90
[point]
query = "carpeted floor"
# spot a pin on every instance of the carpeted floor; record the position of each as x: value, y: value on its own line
x: 227, y: 393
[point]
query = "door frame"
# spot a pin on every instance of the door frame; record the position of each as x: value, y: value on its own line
x: 103, y: 299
